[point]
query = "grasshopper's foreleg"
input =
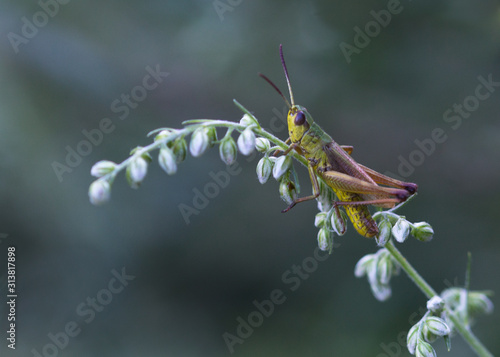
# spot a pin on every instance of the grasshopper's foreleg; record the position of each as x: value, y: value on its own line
x: 290, y: 148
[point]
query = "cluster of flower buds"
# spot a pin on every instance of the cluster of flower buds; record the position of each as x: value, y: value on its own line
x: 333, y: 221
x: 379, y: 268
x: 100, y: 190
x: 172, y: 150
x: 463, y: 304
x: 424, y: 332
x: 280, y: 168
x: 325, y: 233
x: 466, y: 305
x: 393, y: 225
x: 430, y: 327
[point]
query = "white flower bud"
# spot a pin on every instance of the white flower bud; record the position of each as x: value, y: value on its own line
x: 264, y: 169
x: 199, y: 142
x: 437, y: 326
x: 287, y: 191
x: 325, y: 198
x: 325, y: 240
x: 401, y: 230
x: 479, y: 303
x: 281, y: 166
x: 246, y: 120
x: 212, y: 135
x: 262, y: 144
x: 136, y: 171
x: 227, y: 150
x: 246, y: 142
x: 163, y: 135
x: 338, y: 222
x: 424, y: 349
x: 380, y: 291
x: 412, y: 338
x: 320, y: 219
x: 99, y: 192
x: 384, y: 269
x: 180, y: 150
x: 102, y: 168
x: 435, y: 304
x: 384, y: 232
x: 167, y: 161
x: 422, y: 231
x: 364, y: 265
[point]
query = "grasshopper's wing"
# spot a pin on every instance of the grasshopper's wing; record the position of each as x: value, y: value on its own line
x: 345, y: 174
x: 383, y: 179
x: 338, y: 159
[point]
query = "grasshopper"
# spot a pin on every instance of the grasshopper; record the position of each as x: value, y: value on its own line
x: 356, y: 186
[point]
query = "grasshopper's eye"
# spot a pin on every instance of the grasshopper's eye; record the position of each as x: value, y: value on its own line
x: 300, y: 118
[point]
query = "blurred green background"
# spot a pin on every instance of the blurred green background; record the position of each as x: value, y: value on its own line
x: 193, y: 281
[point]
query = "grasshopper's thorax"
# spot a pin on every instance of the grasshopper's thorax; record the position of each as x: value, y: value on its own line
x: 304, y: 131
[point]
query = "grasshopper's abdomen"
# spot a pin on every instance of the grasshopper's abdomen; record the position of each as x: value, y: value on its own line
x: 359, y: 215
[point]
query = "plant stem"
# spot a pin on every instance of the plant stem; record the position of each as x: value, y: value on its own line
x: 412, y: 273
x: 429, y: 292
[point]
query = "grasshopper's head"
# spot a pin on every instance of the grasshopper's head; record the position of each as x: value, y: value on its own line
x: 299, y: 120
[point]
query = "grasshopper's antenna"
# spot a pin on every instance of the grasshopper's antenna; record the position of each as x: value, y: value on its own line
x: 275, y: 87
x: 286, y: 74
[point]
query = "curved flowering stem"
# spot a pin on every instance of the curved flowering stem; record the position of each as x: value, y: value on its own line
x: 203, y: 135
x: 446, y: 312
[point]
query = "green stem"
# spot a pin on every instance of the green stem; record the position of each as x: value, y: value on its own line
x: 412, y: 273
x: 429, y: 292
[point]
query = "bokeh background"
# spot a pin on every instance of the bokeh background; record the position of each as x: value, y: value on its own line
x: 193, y: 281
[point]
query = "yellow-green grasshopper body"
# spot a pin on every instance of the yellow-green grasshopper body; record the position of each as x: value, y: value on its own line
x: 355, y: 185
